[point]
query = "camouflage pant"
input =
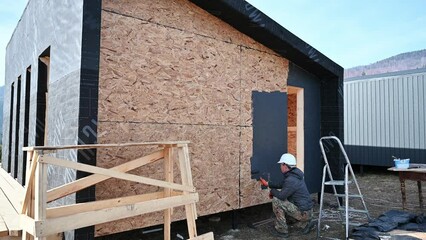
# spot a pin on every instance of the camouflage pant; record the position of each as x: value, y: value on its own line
x: 286, y: 209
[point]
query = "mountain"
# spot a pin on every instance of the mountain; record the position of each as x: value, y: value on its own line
x: 400, y: 62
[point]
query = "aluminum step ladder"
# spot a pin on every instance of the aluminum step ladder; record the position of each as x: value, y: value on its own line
x: 344, y: 182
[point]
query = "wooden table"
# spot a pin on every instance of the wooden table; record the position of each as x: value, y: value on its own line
x: 415, y: 172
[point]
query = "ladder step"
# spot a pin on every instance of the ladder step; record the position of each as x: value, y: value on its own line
x: 356, y: 224
x: 353, y: 210
x: 350, y: 195
x: 336, y: 182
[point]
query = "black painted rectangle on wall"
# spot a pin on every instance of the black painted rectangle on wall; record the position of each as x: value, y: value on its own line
x: 382, y: 156
x: 269, y: 133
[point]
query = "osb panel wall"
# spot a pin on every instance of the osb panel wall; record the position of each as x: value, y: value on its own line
x: 292, y: 123
x: 182, y: 15
x: 170, y: 71
x: 292, y: 110
x: 214, y: 163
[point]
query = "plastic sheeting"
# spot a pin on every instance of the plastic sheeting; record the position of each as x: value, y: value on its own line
x: 388, y: 221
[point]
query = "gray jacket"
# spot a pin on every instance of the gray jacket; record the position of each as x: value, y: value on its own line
x: 293, y: 188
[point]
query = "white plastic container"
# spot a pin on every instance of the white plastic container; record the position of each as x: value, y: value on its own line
x: 402, y: 163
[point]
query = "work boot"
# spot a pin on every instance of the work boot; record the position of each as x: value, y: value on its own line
x: 309, y: 227
x: 280, y: 234
x: 277, y: 233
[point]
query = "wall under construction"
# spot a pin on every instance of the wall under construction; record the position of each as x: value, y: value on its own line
x: 169, y: 70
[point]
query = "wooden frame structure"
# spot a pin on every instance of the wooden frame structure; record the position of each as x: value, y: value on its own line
x: 38, y: 221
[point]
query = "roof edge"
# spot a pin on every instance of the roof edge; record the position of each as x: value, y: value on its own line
x: 254, y: 23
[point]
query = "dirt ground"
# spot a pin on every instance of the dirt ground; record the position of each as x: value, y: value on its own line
x: 381, y: 190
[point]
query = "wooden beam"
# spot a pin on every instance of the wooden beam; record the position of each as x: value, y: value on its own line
x: 206, y: 236
x: 185, y: 171
x: 12, y: 189
x: 114, y: 174
x: 28, y: 224
x: 9, y: 215
x: 168, y: 175
x: 61, y: 224
x: 40, y: 194
x: 91, y: 146
x: 91, y: 180
x: 30, y: 180
x: 3, y: 228
x: 300, y: 139
x: 61, y: 211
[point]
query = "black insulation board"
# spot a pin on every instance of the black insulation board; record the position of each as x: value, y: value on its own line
x: 298, y: 77
x: 88, y: 109
x: 269, y: 133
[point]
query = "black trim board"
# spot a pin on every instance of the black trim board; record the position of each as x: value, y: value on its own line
x: 251, y: 21
x: 382, y: 156
x: 88, y: 106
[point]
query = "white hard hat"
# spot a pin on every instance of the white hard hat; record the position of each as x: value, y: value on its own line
x: 288, y: 159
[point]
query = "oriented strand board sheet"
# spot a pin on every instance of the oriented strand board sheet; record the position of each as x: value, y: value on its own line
x: 171, y: 71
x: 292, y: 110
x: 214, y: 156
x: 260, y: 72
x: 292, y: 142
x: 151, y: 73
x: 250, y: 191
x: 183, y: 16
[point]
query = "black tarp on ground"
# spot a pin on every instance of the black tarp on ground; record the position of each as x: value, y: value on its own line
x: 389, y: 221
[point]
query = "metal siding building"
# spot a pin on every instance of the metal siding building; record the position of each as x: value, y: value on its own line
x: 384, y: 116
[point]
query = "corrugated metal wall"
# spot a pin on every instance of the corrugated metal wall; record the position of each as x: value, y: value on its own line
x: 385, y: 115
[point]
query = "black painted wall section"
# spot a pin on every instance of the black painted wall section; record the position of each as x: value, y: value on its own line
x: 332, y: 123
x: 311, y: 84
x: 382, y: 156
x: 88, y: 114
x: 269, y: 133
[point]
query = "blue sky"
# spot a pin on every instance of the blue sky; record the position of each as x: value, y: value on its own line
x: 350, y: 32
x: 10, y: 13
x: 353, y: 32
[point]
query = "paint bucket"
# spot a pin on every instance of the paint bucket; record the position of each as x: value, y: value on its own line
x: 402, y: 163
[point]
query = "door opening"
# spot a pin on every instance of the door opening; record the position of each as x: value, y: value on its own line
x: 295, y: 127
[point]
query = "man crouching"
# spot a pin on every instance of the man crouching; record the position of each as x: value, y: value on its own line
x: 292, y: 202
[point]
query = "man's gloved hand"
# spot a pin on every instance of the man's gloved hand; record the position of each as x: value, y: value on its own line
x: 263, y: 182
x: 271, y: 195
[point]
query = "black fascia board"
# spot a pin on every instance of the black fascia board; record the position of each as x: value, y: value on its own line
x: 249, y: 20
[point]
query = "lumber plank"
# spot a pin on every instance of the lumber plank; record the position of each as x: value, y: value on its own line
x: 66, y: 223
x: 3, y: 228
x: 300, y: 139
x: 40, y: 194
x: 9, y: 215
x: 114, y: 174
x: 168, y: 172
x: 30, y: 181
x: 91, y: 180
x: 61, y: 211
x: 12, y: 189
x: 206, y: 236
x: 90, y: 146
x: 186, y: 176
x: 27, y: 224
